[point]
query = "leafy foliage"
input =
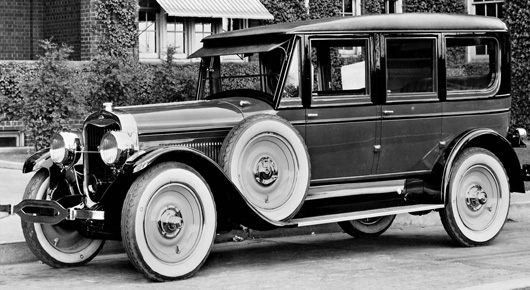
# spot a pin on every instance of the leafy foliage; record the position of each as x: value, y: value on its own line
x: 117, y: 24
x: 53, y: 97
x: 372, y: 6
x: 410, y: 6
x: 517, y: 15
x: 285, y: 11
x: 324, y: 8
x: 11, y: 74
x: 435, y: 6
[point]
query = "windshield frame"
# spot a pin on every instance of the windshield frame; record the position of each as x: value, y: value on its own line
x: 211, y: 65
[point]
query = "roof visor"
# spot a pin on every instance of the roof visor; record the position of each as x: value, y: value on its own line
x: 236, y: 49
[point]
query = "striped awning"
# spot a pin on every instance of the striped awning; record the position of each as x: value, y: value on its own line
x: 241, y: 9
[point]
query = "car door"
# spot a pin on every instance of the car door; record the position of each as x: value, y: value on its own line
x: 410, y: 116
x: 341, y: 118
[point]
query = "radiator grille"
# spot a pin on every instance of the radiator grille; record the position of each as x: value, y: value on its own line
x: 93, y: 163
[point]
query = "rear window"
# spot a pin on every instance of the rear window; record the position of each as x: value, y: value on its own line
x: 471, y: 63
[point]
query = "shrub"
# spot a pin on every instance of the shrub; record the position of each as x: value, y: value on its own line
x: 516, y: 16
x: 11, y: 75
x: 53, y: 97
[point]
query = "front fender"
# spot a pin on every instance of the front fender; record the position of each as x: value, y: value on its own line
x: 39, y: 159
x: 487, y: 139
x: 231, y: 204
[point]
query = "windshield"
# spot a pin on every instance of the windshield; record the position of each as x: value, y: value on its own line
x: 241, y: 69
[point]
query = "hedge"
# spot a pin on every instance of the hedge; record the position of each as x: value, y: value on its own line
x: 517, y: 16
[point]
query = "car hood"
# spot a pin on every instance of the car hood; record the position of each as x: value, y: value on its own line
x: 183, y: 116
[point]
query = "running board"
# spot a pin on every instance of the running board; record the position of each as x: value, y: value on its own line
x: 311, y: 221
x: 350, y: 189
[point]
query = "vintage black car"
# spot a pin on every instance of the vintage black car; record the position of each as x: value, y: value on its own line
x: 350, y: 120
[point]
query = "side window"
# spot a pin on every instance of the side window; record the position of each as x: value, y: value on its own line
x: 410, y: 65
x: 339, y: 66
x: 464, y: 72
x: 291, y: 88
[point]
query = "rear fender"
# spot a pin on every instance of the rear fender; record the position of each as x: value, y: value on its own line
x: 487, y: 139
x: 232, y: 207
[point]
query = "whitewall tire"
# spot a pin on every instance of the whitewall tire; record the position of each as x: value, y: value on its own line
x: 266, y: 158
x: 478, y: 198
x: 56, y: 245
x: 168, y: 222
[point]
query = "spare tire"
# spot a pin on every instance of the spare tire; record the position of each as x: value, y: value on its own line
x: 266, y: 158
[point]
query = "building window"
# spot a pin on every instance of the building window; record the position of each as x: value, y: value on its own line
x: 147, y: 27
x: 348, y: 8
x: 393, y: 6
x: 491, y: 8
x: 202, y: 29
x: 175, y: 34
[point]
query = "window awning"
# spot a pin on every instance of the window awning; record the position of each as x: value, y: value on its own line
x: 236, y: 49
x: 241, y: 9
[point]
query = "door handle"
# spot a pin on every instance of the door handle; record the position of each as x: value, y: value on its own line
x: 388, y: 112
x: 312, y: 115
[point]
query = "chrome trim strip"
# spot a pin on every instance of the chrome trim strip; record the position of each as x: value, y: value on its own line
x: 363, y: 214
x: 367, y: 178
x: 341, y: 190
x: 482, y: 112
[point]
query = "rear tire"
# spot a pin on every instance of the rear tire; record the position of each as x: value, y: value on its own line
x: 168, y: 222
x: 54, y: 245
x: 478, y: 198
x: 367, y: 228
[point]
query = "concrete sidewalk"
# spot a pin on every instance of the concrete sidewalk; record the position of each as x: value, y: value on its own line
x: 14, y: 250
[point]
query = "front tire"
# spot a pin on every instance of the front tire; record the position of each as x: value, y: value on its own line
x: 367, y: 228
x: 55, y: 245
x: 478, y: 198
x: 168, y: 222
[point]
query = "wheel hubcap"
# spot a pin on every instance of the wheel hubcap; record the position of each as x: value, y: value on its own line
x: 170, y: 222
x: 266, y: 171
x: 476, y: 197
x: 173, y: 222
x: 479, y: 198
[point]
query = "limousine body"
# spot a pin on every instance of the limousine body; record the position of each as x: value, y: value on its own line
x: 350, y: 120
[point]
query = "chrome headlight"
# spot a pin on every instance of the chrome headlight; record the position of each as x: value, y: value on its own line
x: 115, y: 147
x: 65, y: 148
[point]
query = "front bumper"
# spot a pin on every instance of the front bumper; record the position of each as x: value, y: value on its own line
x: 48, y: 212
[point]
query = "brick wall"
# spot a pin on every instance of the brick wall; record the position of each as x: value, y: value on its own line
x: 20, y: 29
x: 62, y: 21
x: 23, y: 23
x: 87, y: 28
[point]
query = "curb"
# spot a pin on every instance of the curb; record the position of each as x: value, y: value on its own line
x: 11, y: 165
